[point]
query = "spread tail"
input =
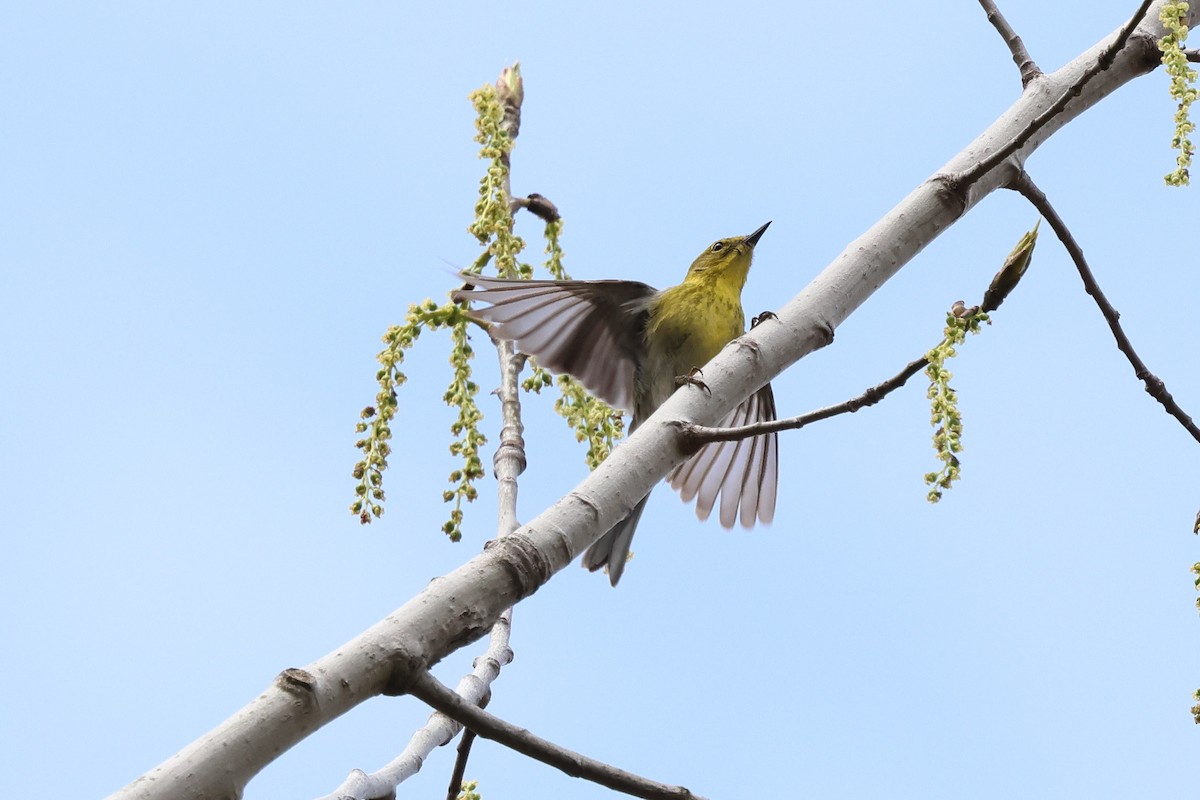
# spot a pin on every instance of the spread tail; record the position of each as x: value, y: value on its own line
x: 612, y: 549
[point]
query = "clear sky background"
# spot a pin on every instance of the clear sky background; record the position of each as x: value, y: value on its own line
x: 212, y: 212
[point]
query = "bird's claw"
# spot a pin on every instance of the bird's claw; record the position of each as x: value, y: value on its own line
x: 766, y: 315
x: 690, y: 378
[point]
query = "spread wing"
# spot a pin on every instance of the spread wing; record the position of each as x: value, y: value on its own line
x: 591, y: 330
x: 744, y: 473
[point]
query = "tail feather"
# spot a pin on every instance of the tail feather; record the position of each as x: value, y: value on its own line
x: 612, y: 549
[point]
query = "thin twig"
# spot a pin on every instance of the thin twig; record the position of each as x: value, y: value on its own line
x: 700, y: 434
x: 1020, y: 56
x: 460, y: 764
x: 427, y: 689
x: 1102, y: 63
x: 1154, y: 385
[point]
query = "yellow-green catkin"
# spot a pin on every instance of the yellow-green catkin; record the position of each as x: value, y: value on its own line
x: 1183, y: 88
x: 945, y: 416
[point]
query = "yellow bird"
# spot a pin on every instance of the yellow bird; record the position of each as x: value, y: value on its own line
x: 632, y: 346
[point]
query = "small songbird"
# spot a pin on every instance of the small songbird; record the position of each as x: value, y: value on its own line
x: 632, y: 346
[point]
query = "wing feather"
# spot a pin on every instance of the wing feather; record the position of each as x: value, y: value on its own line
x: 743, y: 474
x: 591, y: 330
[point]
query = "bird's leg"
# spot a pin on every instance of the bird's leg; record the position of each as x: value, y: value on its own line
x: 691, y: 378
x: 766, y: 315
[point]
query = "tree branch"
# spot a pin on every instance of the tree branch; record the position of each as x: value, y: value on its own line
x: 1025, y: 63
x: 460, y: 762
x: 1102, y: 63
x: 427, y: 689
x: 698, y: 435
x: 462, y: 606
x: 1154, y: 385
x: 509, y: 460
x: 474, y: 689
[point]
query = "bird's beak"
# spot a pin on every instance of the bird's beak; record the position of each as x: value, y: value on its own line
x: 753, y: 238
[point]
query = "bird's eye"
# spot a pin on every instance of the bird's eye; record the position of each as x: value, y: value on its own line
x: 718, y: 247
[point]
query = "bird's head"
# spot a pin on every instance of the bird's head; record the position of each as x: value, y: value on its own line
x: 726, y: 259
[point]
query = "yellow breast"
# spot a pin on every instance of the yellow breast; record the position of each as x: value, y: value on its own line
x: 687, y: 326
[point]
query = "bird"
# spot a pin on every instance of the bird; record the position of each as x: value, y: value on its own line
x: 632, y: 346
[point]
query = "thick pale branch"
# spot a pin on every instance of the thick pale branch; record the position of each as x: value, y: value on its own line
x: 430, y: 691
x: 462, y: 606
x: 1025, y: 63
x: 1154, y: 385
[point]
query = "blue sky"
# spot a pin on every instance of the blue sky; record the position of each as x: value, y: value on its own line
x: 213, y: 213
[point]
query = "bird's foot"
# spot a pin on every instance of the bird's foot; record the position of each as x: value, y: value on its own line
x: 763, y: 317
x: 690, y: 378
